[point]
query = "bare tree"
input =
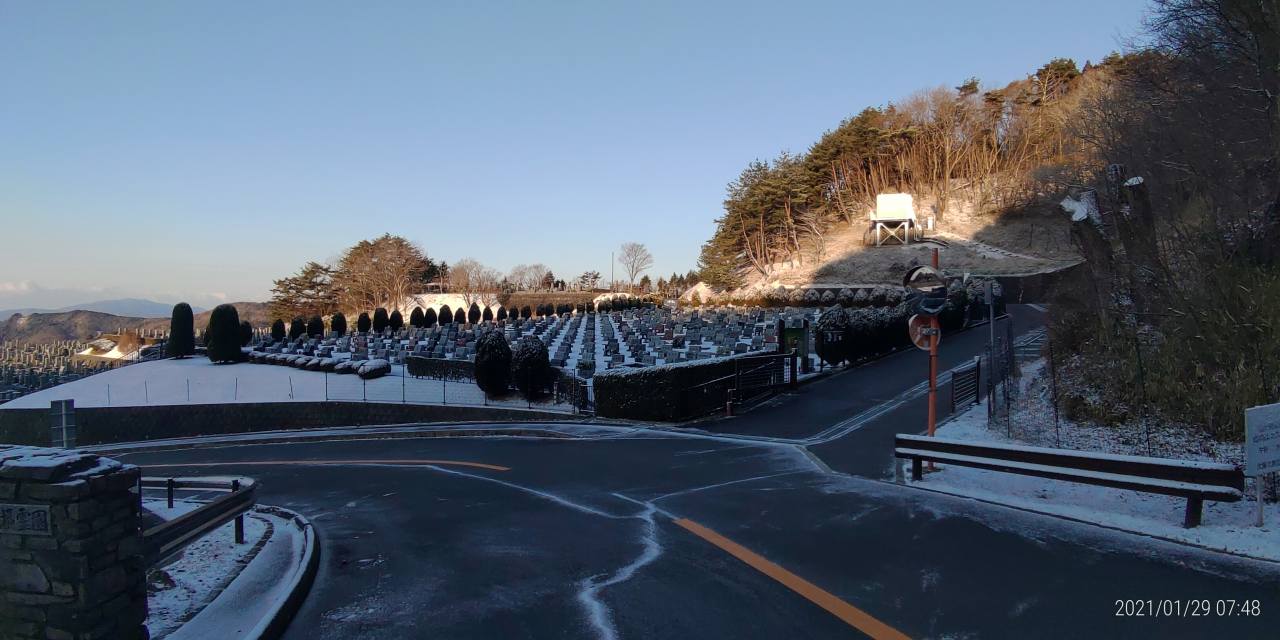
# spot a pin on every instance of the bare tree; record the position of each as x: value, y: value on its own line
x: 635, y: 259
x: 477, y: 283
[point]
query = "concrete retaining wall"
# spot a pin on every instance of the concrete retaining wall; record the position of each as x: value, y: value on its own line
x: 106, y: 425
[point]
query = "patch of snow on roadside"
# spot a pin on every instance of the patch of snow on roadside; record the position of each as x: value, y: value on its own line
x: 1226, y: 526
x: 178, y: 591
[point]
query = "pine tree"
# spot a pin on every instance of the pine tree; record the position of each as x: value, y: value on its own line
x: 277, y: 330
x: 297, y: 327
x: 222, y: 335
x: 182, y: 333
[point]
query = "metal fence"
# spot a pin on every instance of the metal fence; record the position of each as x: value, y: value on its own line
x: 965, y: 385
x: 171, y: 536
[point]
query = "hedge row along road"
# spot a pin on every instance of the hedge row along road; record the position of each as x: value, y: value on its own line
x: 631, y: 532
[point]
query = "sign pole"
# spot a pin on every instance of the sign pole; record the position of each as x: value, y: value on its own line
x: 933, y: 374
x: 1257, y: 485
x: 1262, y: 448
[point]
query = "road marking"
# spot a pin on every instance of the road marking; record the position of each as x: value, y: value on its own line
x: 454, y: 463
x: 850, y: 614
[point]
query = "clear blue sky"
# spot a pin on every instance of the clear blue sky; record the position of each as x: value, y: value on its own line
x: 196, y: 150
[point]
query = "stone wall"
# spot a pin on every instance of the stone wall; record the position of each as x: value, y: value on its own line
x: 108, y: 425
x: 71, y: 553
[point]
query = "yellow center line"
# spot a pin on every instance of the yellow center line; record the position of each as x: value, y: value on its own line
x: 451, y: 463
x: 850, y: 614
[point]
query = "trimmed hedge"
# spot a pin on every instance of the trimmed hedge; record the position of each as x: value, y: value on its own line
x: 669, y: 392
x: 440, y: 368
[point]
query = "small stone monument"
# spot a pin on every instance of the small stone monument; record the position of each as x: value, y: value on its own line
x: 71, y: 552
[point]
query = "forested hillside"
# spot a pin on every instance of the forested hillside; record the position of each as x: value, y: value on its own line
x: 1172, y: 149
x: 1179, y: 308
x: 968, y: 154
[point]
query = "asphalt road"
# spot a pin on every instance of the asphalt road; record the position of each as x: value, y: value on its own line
x: 582, y: 539
x: 635, y: 533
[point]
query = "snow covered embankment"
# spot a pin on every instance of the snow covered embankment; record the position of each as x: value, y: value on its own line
x: 1227, y: 526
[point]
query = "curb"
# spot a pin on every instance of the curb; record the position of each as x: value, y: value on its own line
x: 276, y: 622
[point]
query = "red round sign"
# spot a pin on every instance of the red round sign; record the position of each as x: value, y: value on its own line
x: 919, y: 328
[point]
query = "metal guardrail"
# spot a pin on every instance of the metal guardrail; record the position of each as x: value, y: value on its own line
x: 1194, y: 480
x: 171, y: 536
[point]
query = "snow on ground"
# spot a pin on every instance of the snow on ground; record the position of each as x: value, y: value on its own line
x: 197, y: 381
x: 179, y: 590
x: 1226, y: 526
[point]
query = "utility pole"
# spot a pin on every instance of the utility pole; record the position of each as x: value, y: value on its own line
x: 934, y: 328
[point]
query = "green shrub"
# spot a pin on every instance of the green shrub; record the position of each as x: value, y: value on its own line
x: 446, y: 314
x: 277, y: 330
x: 473, y: 314
x: 670, y: 392
x: 182, y: 332
x: 493, y: 363
x: 396, y: 321
x: 338, y: 324
x: 416, y: 318
x: 246, y: 333
x: 380, y: 320
x: 531, y: 368
x: 429, y: 318
x: 315, y: 327
x: 222, y: 335
x: 297, y: 327
x: 363, y: 324
x: 459, y: 316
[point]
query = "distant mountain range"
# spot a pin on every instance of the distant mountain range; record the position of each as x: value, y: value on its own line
x: 129, y: 307
x: 83, y: 324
